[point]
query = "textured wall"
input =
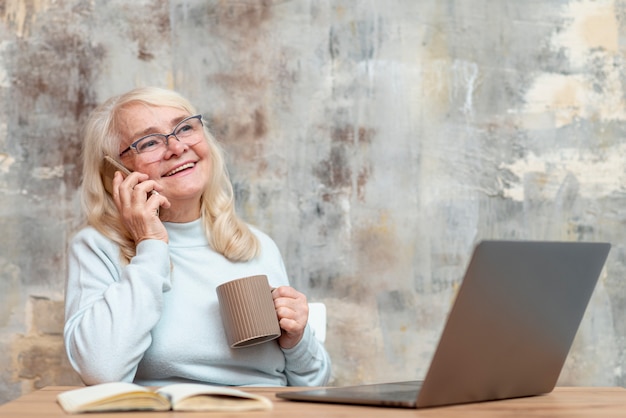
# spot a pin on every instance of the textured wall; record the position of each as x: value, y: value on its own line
x: 375, y: 141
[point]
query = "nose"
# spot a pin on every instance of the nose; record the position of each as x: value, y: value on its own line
x: 174, y: 146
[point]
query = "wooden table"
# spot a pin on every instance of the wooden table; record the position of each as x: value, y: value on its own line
x: 562, y: 402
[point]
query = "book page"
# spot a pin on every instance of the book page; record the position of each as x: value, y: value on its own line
x: 111, y: 396
x: 200, y: 397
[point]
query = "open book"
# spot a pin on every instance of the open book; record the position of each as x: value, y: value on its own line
x: 122, y: 396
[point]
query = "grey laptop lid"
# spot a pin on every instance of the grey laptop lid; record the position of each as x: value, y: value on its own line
x: 508, y: 333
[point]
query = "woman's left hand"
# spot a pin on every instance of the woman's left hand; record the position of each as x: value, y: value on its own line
x: 293, y: 313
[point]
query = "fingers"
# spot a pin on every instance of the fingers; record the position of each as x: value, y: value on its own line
x: 136, y: 184
x: 292, y: 310
x: 291, y: 303
x: 139, y: 206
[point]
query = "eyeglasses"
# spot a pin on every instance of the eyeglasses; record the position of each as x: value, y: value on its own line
x: 153, y: 146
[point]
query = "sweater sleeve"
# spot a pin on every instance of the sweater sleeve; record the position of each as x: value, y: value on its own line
x: 109, y: 309
x: 308, y: 363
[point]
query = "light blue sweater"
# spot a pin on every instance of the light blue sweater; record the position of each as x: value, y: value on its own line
x: 156, y: 321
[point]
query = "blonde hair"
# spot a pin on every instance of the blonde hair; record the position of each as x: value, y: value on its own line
x: 226, y: 232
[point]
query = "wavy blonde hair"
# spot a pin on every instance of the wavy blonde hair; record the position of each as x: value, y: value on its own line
x: 226, y: 232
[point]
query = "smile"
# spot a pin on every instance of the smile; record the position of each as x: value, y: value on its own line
x: 179, y: 169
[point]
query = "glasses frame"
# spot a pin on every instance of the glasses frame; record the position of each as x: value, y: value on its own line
x: 133, y: 146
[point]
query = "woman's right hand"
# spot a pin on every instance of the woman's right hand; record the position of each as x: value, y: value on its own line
x: 138, y: 200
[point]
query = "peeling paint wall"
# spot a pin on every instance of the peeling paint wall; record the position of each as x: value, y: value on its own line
x: 377, y: 142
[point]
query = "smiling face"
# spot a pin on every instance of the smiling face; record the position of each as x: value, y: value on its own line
x: 183, y: 170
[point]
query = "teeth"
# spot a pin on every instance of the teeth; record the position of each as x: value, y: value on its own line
x: 181, y: 168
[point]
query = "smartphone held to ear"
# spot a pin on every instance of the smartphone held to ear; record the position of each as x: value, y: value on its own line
x: 107, y: 172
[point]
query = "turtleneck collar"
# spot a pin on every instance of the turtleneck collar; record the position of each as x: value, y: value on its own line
x: 186, y: 234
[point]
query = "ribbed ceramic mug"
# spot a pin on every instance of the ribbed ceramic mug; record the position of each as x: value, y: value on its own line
x: 247, y: 310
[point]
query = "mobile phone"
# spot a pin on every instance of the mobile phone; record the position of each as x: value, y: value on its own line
x: 107, y: 172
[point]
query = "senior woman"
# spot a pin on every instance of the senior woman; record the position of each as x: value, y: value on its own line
x: 140, y: 301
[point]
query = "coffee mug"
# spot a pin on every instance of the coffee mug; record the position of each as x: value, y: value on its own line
x: 247, y: 310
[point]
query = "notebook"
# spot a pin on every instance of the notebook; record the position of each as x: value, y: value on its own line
x: 508, y: 333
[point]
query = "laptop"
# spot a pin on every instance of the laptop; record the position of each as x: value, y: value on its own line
x: 508, y: 333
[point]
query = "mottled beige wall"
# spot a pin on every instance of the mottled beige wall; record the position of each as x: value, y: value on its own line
x: 376, y: 141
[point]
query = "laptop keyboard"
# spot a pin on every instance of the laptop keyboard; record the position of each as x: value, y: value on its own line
x: 398, y: 394
x: 395, y: 390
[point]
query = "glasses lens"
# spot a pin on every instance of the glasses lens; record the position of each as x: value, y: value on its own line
x: 188, y: 131
x: 150, y: 143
